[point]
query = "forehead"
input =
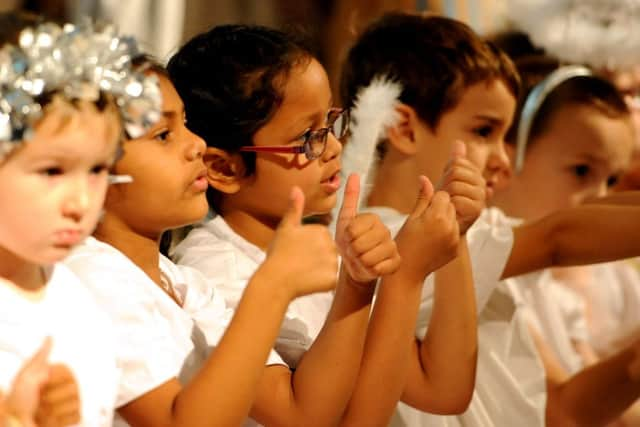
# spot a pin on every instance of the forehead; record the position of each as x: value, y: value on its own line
x: 307, y: 88
x: 584, y: 130
x: 171, y: 101
x: 490, y: 98
x: 73, y: 132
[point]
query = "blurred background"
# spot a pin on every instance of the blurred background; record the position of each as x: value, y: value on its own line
x: 162, y: 26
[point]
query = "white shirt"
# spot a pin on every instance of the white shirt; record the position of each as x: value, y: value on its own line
x: 510, y: 385
x: 220, y: 254
x: 556, y: 312
x: 611, y: 292
x: 157, y: 340
x: 81, y: 333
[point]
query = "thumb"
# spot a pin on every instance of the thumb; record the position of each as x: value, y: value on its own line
x: 41, y: 356
x: 458, y: 150
x: 424, y: 196
x: 349, y: 208
x: 293, y: 216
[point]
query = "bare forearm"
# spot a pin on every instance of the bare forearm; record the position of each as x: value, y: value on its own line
x: 587, y: 234
x: 449, y: 350
x: 389, y: 345
x: 621, y: 198
x: 326, y: 375
x: 598, y: 394
x: 218, y: 384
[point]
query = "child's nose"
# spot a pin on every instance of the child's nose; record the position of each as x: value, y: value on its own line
x: 334, y: 147
x: 77, y: 200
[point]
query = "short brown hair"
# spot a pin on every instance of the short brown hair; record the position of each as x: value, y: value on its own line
x: 434, y: 59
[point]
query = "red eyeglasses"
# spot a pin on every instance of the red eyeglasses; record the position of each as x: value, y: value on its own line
x: 314, y: 143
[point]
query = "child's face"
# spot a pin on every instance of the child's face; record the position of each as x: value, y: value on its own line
x: 480, y: 119
x: 169, y: 177
x: 53, y: 187
x: 578, y: 156
x: 307, y: 99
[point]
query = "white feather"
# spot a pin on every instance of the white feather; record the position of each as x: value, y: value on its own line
x: 373, y: 113
x: 598, y: 33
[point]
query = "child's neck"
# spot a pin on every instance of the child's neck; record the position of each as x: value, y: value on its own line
x: 25, y: 275
x: 257, y: 231
x: 395, y: 184
x: 143, y: 250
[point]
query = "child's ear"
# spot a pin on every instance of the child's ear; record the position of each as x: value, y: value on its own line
x: 224, y: 171
x: 402, y: 136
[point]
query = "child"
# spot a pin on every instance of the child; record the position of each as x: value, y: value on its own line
x: 461, y: 88
x: 59, y: 135
x: 167, y: 316
x: 580, y: 140
x: 258, y: 97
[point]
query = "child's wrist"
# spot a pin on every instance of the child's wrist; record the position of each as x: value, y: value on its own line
x: 273, y: 278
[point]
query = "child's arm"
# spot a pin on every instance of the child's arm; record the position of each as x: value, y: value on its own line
x: 436, y: 375
x: 586, y: 234
x: 630, y: 198
x: 596, y: 395
x: 301, y: 260
x: 320, y: 388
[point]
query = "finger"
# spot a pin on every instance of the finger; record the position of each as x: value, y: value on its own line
x: 378, y: 254
x: 459, y: 149
x: 60, y: 374
x: 464, y: 174
x: 293, y: 216
x: 460, y: 189
x: 63, y: 409
x: 369, y: 240
x: 362, y: 224
x: 424, y: 197
x: 39, y: 359
x: 388, y: 266
x: 349, y: 208
x: 69, y: 420
x: 56, y: 395
x: 440, y: 201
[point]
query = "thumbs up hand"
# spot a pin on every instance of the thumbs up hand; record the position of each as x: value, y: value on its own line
x: 364, y: 242
x: 305, y: 256
x: 465, y: 185
x: 430, y: 235
x: 23, y: 399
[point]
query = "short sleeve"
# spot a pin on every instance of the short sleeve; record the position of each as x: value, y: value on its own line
x: 148, y: 353
x: 490, y: 240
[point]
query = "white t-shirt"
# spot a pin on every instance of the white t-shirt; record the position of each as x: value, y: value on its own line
x: 157, y: 340
x: 510, y: 384
x: 556, y: 312
x: 220, y: 254
x: 81, y: 333
x: 611, y: 293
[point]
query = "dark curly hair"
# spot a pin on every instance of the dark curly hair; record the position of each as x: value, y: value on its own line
x: 231, y: 81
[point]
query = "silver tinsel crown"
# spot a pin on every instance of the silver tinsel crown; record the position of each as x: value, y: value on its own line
x: 78, y: 62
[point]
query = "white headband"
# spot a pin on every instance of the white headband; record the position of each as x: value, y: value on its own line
x: 534, y: 101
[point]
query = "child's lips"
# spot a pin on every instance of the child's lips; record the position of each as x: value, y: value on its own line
x: 68, y: 237
x: 331, y: 184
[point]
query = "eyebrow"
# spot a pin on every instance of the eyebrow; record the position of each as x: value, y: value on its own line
x: 489, y: 118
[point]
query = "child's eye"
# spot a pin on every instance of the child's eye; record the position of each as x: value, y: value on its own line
x: 98, y: 169
x: 581, y: 170
x: 305, y: 136
x: 612, y: 180
x: 52, y: 171
x: 483, y: 131
x: 162, y: 135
